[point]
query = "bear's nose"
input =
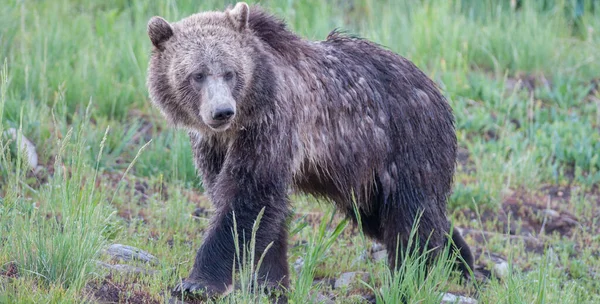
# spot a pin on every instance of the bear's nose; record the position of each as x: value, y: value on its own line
x: 223, y: 113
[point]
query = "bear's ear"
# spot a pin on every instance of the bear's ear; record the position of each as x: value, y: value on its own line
x: 159, y: 31
x: 239, y: 15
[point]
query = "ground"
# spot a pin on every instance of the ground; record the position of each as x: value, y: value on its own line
x: 524, y: 85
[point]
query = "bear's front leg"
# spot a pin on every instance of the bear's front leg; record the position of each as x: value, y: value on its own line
x: 212, y: 271
x: 246, y: 184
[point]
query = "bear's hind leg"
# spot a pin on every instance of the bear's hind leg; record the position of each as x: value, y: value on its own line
x: 370, y: 223
x: 465, y: 265
x: 396, y: 230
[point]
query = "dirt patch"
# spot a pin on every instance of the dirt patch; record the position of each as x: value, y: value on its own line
x: 529, y: 214
x: 10, y: 270
x: 138, y: 187
x: 464, y: 162
x: 109, y: 291
x: 151, y: 123
x: 527, y: 82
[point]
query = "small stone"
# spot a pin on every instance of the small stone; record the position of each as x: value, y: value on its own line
x: 495, y: 258
x: 126, y: 269
x: 380, y: 255
x: 27, y: 146
x: 321, y: 298
x: 500, y: 270
x: 377, y: 247
x: 551, y: 213
x: 298, y: 264
x: 128, y: 253
x: 449, y: 298
x: 348, y: 278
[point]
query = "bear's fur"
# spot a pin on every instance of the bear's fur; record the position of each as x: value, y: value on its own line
x: 342, y: 119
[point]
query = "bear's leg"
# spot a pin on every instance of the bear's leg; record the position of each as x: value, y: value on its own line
x: 274, y: 271
x: 397, y: 223
x: 466, y: 264
x: 370, y: 223
x: 273, y: 274
x: 395, y: 239
x: 211, y: 274
x: 430, y: 234
x: 249, y: 181
x: 212, y: 271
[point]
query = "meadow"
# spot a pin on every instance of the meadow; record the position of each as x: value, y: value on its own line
x: 523, y: 78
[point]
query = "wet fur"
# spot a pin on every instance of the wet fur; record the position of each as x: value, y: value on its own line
x: 342, y: 119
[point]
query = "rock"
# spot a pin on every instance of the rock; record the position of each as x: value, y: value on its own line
x: 551, y: 213
x: 380, y: 255
x: 321, y: 298
x: 27, y: 145
x: 128, y: 253
x: 449, y: 298
x: 126, y: 269
x: 348, y: 278
x: 298, y: 264
x: 377, y: 247
x: 378, y: 252
x: 500, y: 270
x: 495, y: 258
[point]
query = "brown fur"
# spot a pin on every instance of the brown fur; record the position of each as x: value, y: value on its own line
x: 342, y: 119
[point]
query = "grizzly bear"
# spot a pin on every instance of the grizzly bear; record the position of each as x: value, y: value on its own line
x: 344, y: 119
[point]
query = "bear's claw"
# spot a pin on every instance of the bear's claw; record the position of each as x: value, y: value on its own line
x: 194, y: 289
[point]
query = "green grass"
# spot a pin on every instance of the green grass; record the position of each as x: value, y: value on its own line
x: 524, y: 86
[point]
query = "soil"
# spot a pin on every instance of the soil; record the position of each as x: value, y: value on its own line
x: 109, y: 291
x: 9, y: 270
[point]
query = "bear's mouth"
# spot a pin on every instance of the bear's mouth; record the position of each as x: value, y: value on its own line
x: 220, y: 126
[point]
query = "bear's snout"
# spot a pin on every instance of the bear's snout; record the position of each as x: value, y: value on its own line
x: 223, y: 113
x: 218, y: 115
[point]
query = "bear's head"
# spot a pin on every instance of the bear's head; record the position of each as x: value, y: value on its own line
x: 200, y: 68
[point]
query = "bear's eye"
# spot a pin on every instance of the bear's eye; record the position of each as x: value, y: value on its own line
x: 199, y: 77
x: 228, y: 76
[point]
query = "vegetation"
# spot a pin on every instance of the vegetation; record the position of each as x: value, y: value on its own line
x: 524, y: 82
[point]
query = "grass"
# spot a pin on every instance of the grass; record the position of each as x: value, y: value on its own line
x: 315, y: 251
x: 523, y: 83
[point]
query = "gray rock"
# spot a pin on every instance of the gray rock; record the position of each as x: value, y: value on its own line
x: 500, y: 270
x: 449, y: 298
x: 27, y: 146
x: 298, y: 264
x: 551, y: 213
x: 377, y: 247
x: 126, y: 269
x: 380, y: 255
x: 321, y: 298
x: 129, y: 253
x: 348, y: 278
